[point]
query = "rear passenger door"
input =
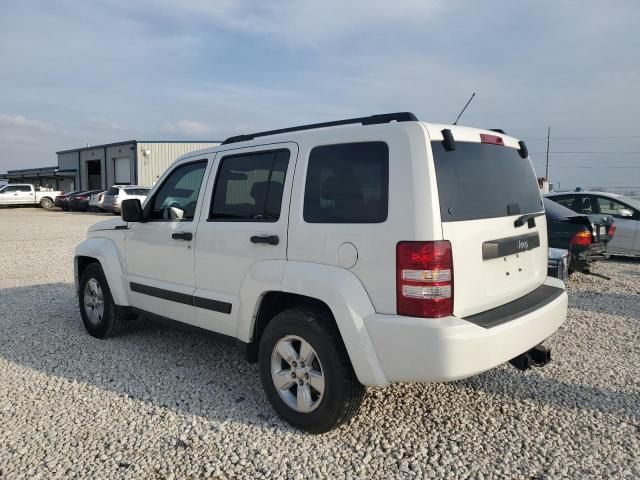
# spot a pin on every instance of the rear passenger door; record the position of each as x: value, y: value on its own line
x: 26, y: 194
x: 242, y: 235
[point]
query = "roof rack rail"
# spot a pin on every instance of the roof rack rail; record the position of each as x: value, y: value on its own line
x: 372, y: 120
x: 499, y: 130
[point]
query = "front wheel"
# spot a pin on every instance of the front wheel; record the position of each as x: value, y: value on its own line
x: 306, y: 372
x: 99, y: 313
x: 46, y: 203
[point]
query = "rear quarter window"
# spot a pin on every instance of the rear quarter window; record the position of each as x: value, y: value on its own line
x: 477, y: 181
x: 347, y: 183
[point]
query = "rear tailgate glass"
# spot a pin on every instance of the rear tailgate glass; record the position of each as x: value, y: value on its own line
x: 478, y: 180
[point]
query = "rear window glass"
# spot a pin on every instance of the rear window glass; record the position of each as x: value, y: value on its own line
x: 347, y: 183
x: 137, y: 191
x: 478, y: 181
x: 555, y: 210
x: 111, y: 191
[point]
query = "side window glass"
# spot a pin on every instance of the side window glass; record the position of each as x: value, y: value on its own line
x: 177, y: 198
x: 249, y: 187
x: 609, y: 206
x: 347, y: 183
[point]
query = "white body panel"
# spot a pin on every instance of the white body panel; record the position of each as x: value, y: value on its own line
x: 484, y: 284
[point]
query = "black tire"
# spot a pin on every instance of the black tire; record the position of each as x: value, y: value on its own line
x: 46, y: 202
x: 343, y: 393
x: 113, y: 321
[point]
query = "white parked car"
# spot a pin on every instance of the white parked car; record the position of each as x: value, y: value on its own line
x: 361, y: 252
x: 116, y: 194
x: 624, y: 210
x: 95, y: 201
x: 26, y: 194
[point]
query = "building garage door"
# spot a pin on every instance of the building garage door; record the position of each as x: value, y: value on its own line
x: 122, y: 168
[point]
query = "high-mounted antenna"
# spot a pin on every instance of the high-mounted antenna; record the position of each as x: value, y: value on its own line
x: 465, y: 107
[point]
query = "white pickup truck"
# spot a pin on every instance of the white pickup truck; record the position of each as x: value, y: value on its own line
x: 26, y: 194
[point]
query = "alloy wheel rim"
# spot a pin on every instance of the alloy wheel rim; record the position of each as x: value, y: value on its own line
x: 93, y: 301
x: 297, y: 374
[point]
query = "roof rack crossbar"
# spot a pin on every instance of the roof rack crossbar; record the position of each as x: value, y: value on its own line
x: 372, y: 120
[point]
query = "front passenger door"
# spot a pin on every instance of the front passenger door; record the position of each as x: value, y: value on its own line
x: 159, y: 252
x: 9, y: 195
x: 626, y: 227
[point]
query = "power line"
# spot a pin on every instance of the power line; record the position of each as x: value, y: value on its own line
x: 582, y: 138
x: 602, y: 186
x: 603, y: 167
x: 584, y: 153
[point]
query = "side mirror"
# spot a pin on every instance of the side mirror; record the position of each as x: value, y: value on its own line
x: 131, y: 210
x: 625, y: 212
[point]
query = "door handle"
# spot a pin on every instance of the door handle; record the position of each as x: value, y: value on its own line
x: 188, y: 236
x: 268, y: 239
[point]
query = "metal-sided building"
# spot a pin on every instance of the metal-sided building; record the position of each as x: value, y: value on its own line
x: 50, y: 177
x: 133, y: 162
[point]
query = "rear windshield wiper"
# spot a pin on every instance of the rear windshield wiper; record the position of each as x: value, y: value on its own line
x: 525, y: 219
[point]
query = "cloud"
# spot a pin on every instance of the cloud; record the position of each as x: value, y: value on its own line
x: 187, y: 128
x: 24, y: 142
x: 102, y: 123
x: 22, y: 124
x: 18, y: 129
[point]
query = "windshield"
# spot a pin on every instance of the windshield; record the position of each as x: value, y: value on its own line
x: 634, y: 202
x: 478, y: 180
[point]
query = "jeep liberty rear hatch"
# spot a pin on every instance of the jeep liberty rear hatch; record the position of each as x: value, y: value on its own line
x: 484, y: 187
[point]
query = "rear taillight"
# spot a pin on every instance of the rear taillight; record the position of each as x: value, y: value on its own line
x: 582, y: 238
x: 424, y: 279
x: 611, y: 231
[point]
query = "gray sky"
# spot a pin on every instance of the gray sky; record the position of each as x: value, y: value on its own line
x: 93, y: 72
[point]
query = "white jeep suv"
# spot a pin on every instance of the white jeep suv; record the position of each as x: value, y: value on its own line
x: 340, y: 255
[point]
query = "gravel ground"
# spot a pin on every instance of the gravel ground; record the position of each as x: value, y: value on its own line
x: 164, y: 403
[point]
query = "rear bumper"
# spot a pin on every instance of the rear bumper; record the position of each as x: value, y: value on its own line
x: 427, y: 350
x: 582, y: 257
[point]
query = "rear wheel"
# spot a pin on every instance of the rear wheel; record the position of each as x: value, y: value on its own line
x: 306, y: 372
x: 100, y: 315
x: 46, y: 203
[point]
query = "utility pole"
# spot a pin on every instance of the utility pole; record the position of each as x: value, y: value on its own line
x: 546, y: 173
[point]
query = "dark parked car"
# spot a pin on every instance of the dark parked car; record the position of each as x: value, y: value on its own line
x: 572, y: 231
x: 625, y: 211
x: 80, y: 201
x: 62, y: 201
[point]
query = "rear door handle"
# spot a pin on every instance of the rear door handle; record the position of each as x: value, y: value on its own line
x: 268, y: 239
x: 188, y: 236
